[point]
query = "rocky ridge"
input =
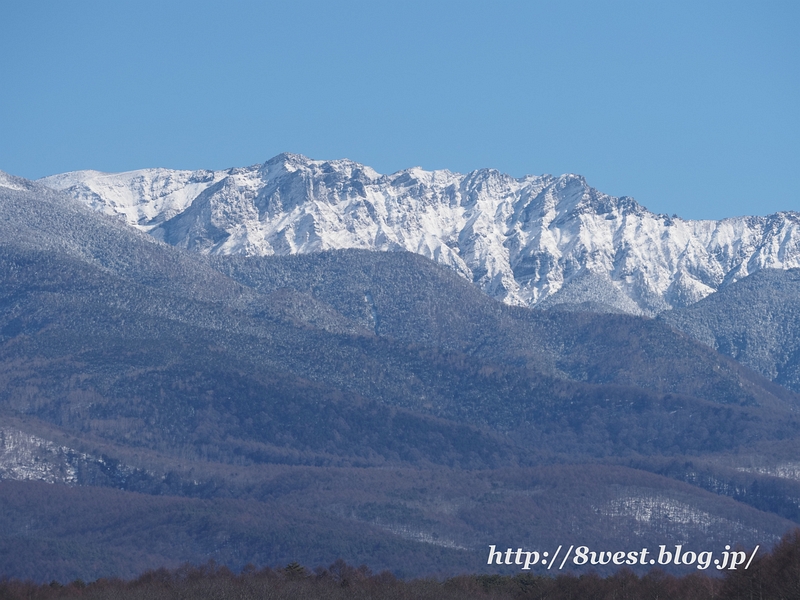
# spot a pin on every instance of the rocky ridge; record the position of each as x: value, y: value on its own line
x: 530, y: 241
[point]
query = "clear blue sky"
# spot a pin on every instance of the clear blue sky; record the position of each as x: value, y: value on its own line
x: 691, y: 107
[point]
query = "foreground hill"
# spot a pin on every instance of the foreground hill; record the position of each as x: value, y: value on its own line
x: 410, y: 521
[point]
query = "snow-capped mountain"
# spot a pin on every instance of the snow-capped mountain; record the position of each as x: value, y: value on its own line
x: 536, y: 240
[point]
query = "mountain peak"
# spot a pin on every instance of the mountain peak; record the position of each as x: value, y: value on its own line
x: 290, y: 158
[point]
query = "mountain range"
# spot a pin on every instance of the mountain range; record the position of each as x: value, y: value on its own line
x: 530, y: 241
x: 257, y: 402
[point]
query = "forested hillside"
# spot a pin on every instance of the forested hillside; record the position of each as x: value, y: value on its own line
x: 158, y: 406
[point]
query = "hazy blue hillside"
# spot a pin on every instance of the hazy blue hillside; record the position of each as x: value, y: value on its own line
x: 755, y: 321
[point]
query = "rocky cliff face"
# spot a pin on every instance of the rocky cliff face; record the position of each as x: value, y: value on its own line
x: 536, y: 240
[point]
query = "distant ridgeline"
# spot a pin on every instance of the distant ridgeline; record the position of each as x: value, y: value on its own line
x: 260, y: 402
x: 533, y: 241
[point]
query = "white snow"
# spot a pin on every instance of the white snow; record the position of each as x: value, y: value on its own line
x: 671, y: 517
x: 26, y: 457
x: 10, y: 182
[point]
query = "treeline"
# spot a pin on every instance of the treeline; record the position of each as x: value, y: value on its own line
x: 774, y: 576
